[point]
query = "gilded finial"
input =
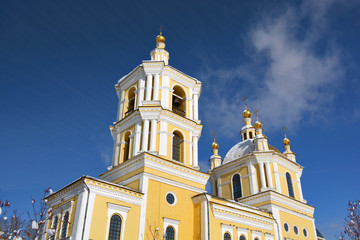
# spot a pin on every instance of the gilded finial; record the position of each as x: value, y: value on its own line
x: 258, y: 124
x: 160, y: 37
x: 286, y: 141
x: 214, y: 145
x: 246, y: 112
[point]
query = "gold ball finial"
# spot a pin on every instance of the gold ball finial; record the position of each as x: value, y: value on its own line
x: 215, y: 145
x: 286, y: 141
x: 258, y: 125
x: 160, y: 38
x: 246, y: 113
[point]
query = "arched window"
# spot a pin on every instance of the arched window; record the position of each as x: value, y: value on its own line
x: 54, y: 226
x: 130, y: 106
x: 236, y: 182
x: 227, y: 236
x: 250, y: 135
x: 242, y: 237
x: 256, y: 238
x: 115, y: 227
x: 65, y: 225
x: 126, y: 146
x: 244, y: 136
x: 178, y: 101
x: 289, y: 184
x: 177, y: 145
x: 170, y: 233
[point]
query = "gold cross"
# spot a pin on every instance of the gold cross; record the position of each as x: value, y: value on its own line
x: 244, y: 100
x: 284, y: 129
x: 161, y: 29
x: 256, y: 111
x: 214, y: 133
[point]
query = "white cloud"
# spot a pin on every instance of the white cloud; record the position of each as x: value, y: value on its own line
x: 289, y: 79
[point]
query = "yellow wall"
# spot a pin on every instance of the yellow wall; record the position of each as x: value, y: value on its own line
x: 99, y: 219
x: 301, y: 223
x: 158, y: 208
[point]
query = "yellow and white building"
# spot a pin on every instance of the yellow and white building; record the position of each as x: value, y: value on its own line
x: 154, y: 188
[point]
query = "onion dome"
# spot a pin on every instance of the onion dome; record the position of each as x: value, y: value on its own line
x: 258, y: 125
x: 215, y: 145
x: 246, y: 113
x: 286, y: 141
x: 160, y: 38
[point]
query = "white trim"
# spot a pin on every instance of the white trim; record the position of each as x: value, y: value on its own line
x: 242, y: 217
x: 172, y: 223
x: 242, y: 231
x: 269, y: 236
x: 226, y: 228
x: 89, y: 214
x: 114, y: 209
x: 144, y: 183
x: 256, y: 234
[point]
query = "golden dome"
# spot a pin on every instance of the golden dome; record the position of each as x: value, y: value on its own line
x: 215, y: 145
x: 258, y: 124
x: 286, y: 141
x: 160, y: 38
x: 246, y: 113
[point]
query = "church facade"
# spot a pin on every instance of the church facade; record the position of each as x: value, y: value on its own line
x: 154, y: 188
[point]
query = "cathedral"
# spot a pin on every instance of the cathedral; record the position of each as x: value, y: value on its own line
x: 154, y: 188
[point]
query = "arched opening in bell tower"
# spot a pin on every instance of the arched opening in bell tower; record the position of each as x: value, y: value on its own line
x: 177, y: 146
x: 130, y: 102
x: 126, y: 146
x: 178, y: 101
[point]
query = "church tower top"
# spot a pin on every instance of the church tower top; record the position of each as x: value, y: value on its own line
x: 159, y: 53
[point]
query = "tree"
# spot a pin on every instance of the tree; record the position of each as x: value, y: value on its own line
x: 352, y: 222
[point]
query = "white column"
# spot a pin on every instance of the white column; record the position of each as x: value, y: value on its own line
x: 137, y: 138
x: 262, y: 176
x: 80, y: 215
x: 299, y: 186
x: 163, y: 138
x: 120, y: 107
x: 165, y: 90
x: 145, y: 136
x: 190, y: 101
x: 196, y: 110
x: 195, y: 152
x: 269, y: 175
x: 153, y: 135
x: 117, y: 150
x: 190, y: 151
x: 130, y: 143
x: 277, y: 178
x: 156, y: 87
x: 141, y: 88
x: 252, y: 176
x: 148, y: 87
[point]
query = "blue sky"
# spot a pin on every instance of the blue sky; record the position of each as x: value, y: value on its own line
x: 296, y: 61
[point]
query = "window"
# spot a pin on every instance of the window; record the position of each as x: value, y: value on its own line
x: 250, y: 135
x: 177, y: 146
x: 130, y: 107
x: 227, y: 236
x: 296, y: 230
x: 55, y: 223
x: 305, y: 232
x: 236, y: 186
x: 65, y: 225
x: 286, y: 227
x: 170, y: 233
x: 242, y: 237
x: 290, y: 186
x: 244, y: 136
x: 126, y: 146
x: 178, y: 101
x: 256, y: 238
x: 170, y: 198
x: 115, y: 227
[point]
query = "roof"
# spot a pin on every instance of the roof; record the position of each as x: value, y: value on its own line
x: 243, y: 148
